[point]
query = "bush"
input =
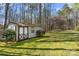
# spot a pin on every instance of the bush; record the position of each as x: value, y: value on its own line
x: 9, y: 34
x: 40, y: 33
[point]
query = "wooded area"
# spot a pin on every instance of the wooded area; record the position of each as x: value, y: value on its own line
x: 41, y: 14
x: 28, y: 13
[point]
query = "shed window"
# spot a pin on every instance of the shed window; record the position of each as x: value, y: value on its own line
x: 32, y: 31
x: 25, y: 30
x: 21, y: 30
x: 12, y: 26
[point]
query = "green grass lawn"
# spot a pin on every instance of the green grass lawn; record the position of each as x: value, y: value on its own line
x: 65, y: 43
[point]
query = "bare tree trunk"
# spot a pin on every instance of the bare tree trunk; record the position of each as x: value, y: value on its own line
x: 40, y: 15
x: 6, y: 14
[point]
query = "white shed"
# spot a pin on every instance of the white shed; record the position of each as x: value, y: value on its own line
x: 23, y: 31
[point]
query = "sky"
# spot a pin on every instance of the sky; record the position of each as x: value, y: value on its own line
x: 55, y: 7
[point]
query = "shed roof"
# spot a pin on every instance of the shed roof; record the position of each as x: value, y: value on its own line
x: 24, y: 25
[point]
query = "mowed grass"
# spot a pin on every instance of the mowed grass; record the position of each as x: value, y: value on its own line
x: 65, y: 43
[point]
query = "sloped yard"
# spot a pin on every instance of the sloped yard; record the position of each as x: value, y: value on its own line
x: 64, y: 43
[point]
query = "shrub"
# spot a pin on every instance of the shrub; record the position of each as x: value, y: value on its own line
x: 9, y: 34
x: 40, y: 33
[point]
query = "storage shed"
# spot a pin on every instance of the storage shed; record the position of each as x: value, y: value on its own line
x: 23, y: 31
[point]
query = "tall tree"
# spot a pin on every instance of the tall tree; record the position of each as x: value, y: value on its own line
x: 40, y: 8
x: 75, y: 7
x: 65, y: 11
x: 6, y: 14
x: 33, y: 6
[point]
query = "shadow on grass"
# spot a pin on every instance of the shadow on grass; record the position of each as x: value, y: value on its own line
x: 68, y: 33
x: 38, y: 49
x: 29, y: 40
x: 5, y: 53
x: 59, y: 40
x: 76, y: 39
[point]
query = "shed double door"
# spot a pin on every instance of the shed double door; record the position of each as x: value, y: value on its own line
x: 23, y: 33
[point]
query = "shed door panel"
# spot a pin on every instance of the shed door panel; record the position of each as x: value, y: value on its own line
x: 25, y: 32
x: 20, y: 30
x: 20, y: 33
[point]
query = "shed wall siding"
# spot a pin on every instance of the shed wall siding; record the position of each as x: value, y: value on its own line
x: 16, y: 33
x: 31, y: 34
